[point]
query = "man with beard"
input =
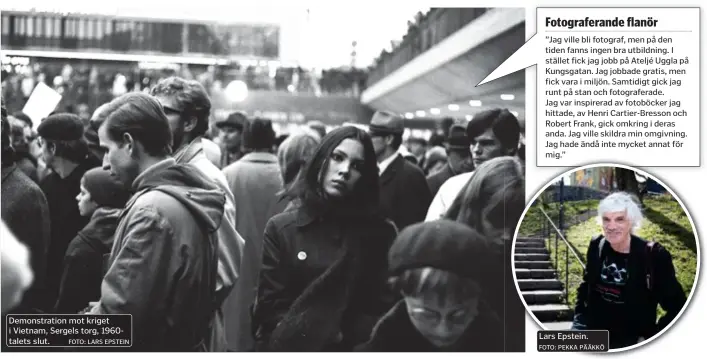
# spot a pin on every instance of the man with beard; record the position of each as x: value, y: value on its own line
x: 404, y: 193
x: 64, y: 151
x: 187, y: 106
x: 164, y: 263
x: 493, y: 133
x: 230, y: 134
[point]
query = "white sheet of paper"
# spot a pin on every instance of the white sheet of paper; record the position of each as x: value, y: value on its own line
x: 41, y: 103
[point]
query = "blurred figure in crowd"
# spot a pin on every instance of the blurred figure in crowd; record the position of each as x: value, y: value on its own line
x: 102, y: 199
x: 16, y: 271
x: 163, y: 266
x: 418, y: 147
x: 230, y: 134
x: 293, y: 155
x: 458, y: 159
x: 322, y: 284
x: 91, y: 133
x: 187, y: 107
x: 435, y: 160
x: 33, y: 146
x: 493, y: 133
x: 436, y: 140
x: 64, y: 151
x: 625, y: 301
x: 255, y: 181
x: 403, y: 189
x: 443, y: 127
x: 83, y: 112
x: 492, y: 203
x: 26, y: 212
x: 441, y: 268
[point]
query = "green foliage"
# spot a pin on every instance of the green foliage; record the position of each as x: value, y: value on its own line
x: 532, y: 221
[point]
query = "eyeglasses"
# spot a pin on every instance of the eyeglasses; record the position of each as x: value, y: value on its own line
x: 173, y: 110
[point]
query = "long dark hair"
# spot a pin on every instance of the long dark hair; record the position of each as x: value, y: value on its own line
x: 364, y: 199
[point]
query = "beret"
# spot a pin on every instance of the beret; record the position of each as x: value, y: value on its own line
x: 445, y: 245
x: 105, y: 189
x: 61, y: 127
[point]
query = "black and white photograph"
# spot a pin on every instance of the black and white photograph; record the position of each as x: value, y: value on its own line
x: 260, y: 179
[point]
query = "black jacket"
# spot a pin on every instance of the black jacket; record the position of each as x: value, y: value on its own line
x: 405, y: 196
x: 66, y: 222
x: 640, y: 302
x: 84, y: 262
x: 436, y: 180
x: 396, y: 333
x: 304, y: 272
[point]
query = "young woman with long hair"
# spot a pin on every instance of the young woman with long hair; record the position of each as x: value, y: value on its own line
x: 323, y: 278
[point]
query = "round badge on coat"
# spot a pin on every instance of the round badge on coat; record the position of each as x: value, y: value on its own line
x: 302, y: 256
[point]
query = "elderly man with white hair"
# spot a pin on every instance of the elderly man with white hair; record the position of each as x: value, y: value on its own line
x: 626, y: 277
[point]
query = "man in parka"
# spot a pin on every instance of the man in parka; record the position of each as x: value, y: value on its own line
x: 163, y: 266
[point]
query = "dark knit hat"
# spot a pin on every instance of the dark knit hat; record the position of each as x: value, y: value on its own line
x: 258, y: 135
x: 445, y: 245
x: 105, y: 189
x: 61, y: 127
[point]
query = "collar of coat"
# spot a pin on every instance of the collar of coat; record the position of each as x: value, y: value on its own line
x: 392, y: 169
x: 188, y: 152
x: 304, y: 215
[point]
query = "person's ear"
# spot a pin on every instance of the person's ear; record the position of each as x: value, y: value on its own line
x: 389, y: 140
x: 129, y: 142
x: 190, y: 124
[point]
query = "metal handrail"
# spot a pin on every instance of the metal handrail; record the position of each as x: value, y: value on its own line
x: 563, y: 237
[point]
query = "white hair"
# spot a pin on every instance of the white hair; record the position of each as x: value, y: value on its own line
x: 621, y: 201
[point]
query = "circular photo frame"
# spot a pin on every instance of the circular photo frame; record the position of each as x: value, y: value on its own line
x: 606, y: 247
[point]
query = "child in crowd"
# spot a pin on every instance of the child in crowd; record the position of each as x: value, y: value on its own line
x: 102, y: 198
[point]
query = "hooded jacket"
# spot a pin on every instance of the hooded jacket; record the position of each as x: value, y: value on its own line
x: 230, y: 243
x: 84, y: 262
x: 164, y: 260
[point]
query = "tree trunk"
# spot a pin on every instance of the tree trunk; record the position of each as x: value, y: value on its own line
x: 626, y: 181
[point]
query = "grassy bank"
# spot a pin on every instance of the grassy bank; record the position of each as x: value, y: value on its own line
x: 532, y: 222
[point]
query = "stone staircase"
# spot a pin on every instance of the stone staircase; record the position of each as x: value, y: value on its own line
x: 542, y: 291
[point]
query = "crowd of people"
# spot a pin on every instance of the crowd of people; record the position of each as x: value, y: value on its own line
x: 226, y: 237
